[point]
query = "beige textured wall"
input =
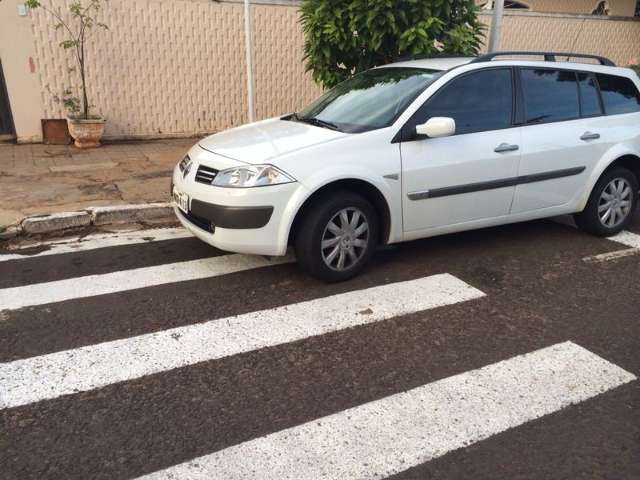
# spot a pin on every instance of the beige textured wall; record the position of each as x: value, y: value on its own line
x: 617, y: 7
x: 177, y: 67
x: 617, y: 40
x: 281, y: 83
x: 164, y: 67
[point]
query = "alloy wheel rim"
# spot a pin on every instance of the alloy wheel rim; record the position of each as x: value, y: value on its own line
x: 615, y: 202
x: 345, y: 239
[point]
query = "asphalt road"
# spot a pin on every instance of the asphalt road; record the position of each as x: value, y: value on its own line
x: 493, y: 354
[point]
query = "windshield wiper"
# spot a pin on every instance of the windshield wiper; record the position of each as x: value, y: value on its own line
x: 321, y: 123
x: 314, y: 121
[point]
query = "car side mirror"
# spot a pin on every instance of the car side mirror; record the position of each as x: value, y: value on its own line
x: 437, y: 127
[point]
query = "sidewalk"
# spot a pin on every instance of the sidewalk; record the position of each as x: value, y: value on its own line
x: 42, y: 179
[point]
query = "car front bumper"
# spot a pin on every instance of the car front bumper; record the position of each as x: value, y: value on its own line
x: 242, y: 220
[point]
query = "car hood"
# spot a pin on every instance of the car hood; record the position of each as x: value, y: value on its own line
x: 262, y: 142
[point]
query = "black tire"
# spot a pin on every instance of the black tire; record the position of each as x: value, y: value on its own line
x: 589, y: 219
x: 309, y: 236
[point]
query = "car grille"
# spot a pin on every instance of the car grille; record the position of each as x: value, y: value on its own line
x: 199, y: 222
x: 206, y: 174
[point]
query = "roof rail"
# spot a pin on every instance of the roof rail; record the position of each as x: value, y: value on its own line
x: 427, y: 56
x: 548, y: 57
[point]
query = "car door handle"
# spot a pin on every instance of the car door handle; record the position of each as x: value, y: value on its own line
x: 590, y: 136
x: 505, y: 147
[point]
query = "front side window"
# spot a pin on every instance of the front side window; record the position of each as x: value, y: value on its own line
x: 549, y: 95
x: 370, y: 100
x: 619, y: 94
x: 478, y: 102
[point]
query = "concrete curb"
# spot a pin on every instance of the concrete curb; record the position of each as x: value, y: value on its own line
x: 130, y: 213
x: 54, y: 222
x: 12, y: 231
x: 91, y: 216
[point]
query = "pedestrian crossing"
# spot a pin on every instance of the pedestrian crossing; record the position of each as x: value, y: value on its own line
x: 374, y: 439
x: 87, y: 368
x: 629, y: 239
x: 390, y: 435
x: 109, y: 283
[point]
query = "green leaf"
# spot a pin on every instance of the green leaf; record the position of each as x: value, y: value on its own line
x: 67, y: 44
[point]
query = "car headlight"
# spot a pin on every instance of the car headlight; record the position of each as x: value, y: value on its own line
x: 251, y: 176
x: 185, y: 164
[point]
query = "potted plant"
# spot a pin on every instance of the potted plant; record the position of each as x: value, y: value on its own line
x: 85, y: 127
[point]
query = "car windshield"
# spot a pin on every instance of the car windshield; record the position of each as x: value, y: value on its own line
x: 367, y: 101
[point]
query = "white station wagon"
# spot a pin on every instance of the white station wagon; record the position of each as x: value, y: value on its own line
x: 421, y: 148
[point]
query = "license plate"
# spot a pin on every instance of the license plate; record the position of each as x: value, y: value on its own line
x: 181, y: 200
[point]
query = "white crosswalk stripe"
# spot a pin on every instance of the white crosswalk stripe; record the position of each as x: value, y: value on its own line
x: 629, y: 239
x: 92, y: 285
x: 87, y: 368
x: 395, y: 433
x: 95, y: 241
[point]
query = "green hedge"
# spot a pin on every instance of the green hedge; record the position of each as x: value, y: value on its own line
x: 344, y: 37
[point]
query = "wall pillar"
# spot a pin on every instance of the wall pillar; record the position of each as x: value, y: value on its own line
x: 20, y: 67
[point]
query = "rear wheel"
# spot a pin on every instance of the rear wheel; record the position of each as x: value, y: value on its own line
x: 613, y: 200
x: 337, y: 237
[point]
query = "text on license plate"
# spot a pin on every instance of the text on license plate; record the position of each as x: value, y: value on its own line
x: 181, y: 200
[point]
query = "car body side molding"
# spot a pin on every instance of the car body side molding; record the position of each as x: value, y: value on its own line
x: 495, y: 184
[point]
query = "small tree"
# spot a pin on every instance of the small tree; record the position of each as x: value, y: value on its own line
x: 343, y: 37
x: 83, y: 19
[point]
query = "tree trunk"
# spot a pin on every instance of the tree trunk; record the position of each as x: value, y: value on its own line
x: 85, y: 101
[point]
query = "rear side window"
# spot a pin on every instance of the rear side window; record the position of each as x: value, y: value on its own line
x: 478, y: 102
x: 589, y: 98
x: 619, y: 94
x: 549, y: 95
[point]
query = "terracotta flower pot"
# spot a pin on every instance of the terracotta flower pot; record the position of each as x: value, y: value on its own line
x: 86, y: 133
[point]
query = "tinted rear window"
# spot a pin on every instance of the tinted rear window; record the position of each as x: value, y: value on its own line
x: 619, y: 94
x: 549, y: 95
x: 589, y: 98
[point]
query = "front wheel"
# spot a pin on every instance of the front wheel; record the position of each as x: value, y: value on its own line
x: 613, y: 200
x: 337, y: 237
